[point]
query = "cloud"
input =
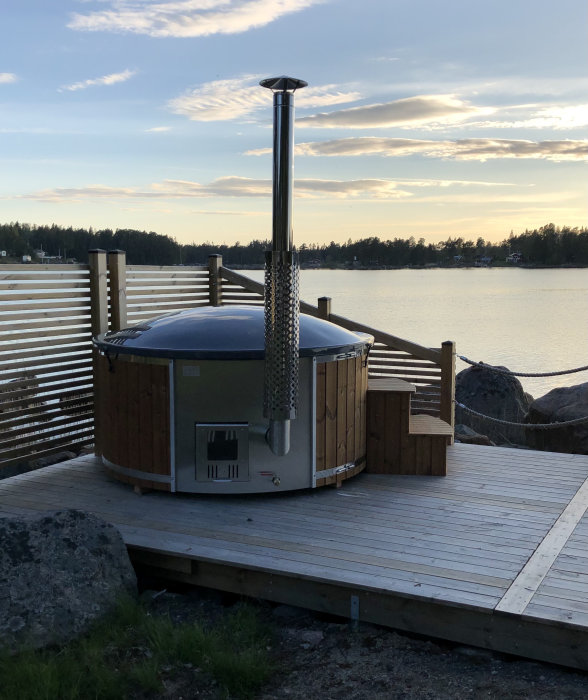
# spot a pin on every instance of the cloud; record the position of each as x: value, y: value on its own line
x: 234, y: 186
x: 230, y: 186
x: 157, y: 129
x: 237, y: 98
x: 407, y: 112
x: 111, y: 79
x: 557, y: 117
x: 480, y: 149
x: 186, y: 18
x: 7, y: 78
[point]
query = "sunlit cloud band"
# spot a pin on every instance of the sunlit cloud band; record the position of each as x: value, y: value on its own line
x: 480, y: 149
x: 410, y: 111
x: 238, y: 98
x: 186, y: 18
x: 234, y: 186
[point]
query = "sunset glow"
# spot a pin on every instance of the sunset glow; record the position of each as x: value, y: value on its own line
x: 421, y: 118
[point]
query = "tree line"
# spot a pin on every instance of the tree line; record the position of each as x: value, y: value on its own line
x: 548, y: 245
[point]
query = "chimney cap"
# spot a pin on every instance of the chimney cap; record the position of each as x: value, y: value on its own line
x: 283, y: 84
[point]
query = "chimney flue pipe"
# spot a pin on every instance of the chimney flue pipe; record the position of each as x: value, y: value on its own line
x: 281, y: 277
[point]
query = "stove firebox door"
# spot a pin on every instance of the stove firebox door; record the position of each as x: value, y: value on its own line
x: 221, y: 451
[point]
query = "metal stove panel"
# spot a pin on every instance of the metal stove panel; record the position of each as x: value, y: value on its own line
x: 230, y: 392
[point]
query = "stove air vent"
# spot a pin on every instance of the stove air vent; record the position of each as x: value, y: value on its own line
x: 221, y: 451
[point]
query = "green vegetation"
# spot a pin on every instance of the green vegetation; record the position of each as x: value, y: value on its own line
x: 548, y: 246
x: 133, y: 653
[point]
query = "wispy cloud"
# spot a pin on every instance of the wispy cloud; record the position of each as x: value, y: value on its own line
x: 186, y: 18
x: 557, y: 117
x: 241, y: 187
x: 238, y: 98
x: 110, y: 79
x: 158, y: 129
x: 407, y: 112
x: 480, y: 149
x: 8, y: 78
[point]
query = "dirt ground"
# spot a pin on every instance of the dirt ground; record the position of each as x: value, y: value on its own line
x: 323, y: 658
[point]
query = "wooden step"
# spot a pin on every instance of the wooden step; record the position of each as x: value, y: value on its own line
x: 423, y: 424
x: 397, y: 441
x: 390, y: 384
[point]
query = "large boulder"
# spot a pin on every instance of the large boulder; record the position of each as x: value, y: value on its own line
x: 492, y: 394
x: 559, y: 405
x: 59, y: 572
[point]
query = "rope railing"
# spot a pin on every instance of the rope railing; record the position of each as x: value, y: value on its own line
x: 499, y: 370
x: 529, y: 426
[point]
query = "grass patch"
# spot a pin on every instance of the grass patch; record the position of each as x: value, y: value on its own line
x: 132, y: 653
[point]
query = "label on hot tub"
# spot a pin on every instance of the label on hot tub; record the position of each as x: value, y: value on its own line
x: 191, y: 371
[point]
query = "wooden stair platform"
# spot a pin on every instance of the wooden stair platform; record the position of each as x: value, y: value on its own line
x: 423, y: 424
x: 397, y: 441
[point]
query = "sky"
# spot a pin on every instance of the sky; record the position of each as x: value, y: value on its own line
x: 461, y: 118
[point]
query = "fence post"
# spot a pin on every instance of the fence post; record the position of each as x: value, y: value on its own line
x: 99, y: 324
x: 98, y: 291
x: 117, y: 269
x: 324, y: 307
x: 215, y: 283
x: 447, y: 408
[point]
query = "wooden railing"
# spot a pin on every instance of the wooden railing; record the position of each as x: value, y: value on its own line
x: 432, y: 370
x: 51, y: 312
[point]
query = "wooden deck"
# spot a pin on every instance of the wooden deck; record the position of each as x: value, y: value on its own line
x: 495, y: 554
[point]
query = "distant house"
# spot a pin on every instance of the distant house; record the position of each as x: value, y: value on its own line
x: 26, y: 258
x: 514, y: 258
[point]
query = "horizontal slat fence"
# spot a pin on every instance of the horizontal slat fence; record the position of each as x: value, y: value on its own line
x: 49, y: 314
x: 46, y: 398
x: 152, y: 291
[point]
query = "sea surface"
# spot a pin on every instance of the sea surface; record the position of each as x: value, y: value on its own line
x: 526, y: 320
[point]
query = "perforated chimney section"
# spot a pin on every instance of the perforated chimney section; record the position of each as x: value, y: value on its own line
x: 281, y: 277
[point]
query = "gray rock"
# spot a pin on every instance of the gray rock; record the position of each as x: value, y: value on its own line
x: 559, y: 405
x: 59, y: 572
x: 463, y: 433
x: 310, y: 638
x: 496, y: 395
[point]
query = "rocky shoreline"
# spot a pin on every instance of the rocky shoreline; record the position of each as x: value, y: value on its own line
x: 493, y: 392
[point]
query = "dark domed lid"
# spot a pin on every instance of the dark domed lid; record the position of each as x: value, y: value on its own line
x: 224, y: 332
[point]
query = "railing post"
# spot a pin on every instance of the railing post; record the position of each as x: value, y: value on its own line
x: 99, y: 324
x: 447, y: 408
x: 117, y: 269
x: 324, y: 307
x: 215, y: 283
x: 98, y: 291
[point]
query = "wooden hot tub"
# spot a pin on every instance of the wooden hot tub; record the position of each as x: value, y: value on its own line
x: 180, y: 404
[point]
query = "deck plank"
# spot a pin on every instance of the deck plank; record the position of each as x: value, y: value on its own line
x: 458, y: 543
x: 526, y: 585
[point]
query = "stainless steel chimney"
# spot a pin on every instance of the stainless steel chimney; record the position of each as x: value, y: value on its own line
x: 281, y: 277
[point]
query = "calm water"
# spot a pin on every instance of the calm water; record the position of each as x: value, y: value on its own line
x: 526, y: 320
